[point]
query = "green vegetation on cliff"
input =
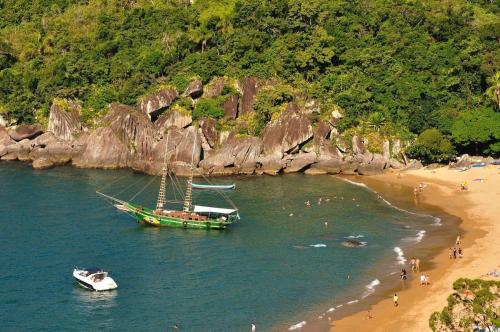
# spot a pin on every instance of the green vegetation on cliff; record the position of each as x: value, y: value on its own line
x: 416, y: 64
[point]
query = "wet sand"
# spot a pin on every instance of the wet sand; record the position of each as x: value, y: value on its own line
x: 477, y: 207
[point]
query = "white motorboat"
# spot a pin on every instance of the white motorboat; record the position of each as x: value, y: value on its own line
x: 94, y: 279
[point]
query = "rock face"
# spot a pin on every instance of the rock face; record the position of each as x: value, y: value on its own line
x: 208, y: 129
x: 194, y: 89
x: 103, y: 149
x: 65, y: 123
x: 301, y: 161
x: 25, y: 132
x: 48, y: 146
x: 357, y: 145
x: 214, y: 88
x: 188, y: 146
x: 154, y: 104
x: 42, y: 163
x: 375, y: 166
x: 173, y: 118
x: 230, y: 107
x: 4, y: 137
x: 248, y: 88
x: 132, y: 128
x: 290, y: 130
x: 330, y: 166
x: 239, y: 152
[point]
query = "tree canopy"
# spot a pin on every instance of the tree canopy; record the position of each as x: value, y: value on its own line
x: 417, y: 64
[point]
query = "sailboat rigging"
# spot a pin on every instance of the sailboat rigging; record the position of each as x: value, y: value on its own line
x: 191, y: 216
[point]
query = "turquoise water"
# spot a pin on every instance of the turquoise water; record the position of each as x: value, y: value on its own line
x: 264, y: 270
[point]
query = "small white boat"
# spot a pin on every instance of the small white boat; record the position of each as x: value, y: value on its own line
x: 94, y: 279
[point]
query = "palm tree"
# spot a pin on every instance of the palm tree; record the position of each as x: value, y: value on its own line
x: 494, y: 90
x: 376, y: 120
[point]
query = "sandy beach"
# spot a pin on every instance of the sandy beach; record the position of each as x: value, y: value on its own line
x: 478, y: 208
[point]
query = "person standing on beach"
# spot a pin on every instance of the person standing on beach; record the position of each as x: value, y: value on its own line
x: 450, y: 253
x: 412, y: 263
x: 457, y: 242
x: 417, y: 264
x: 460, y: 252
x: 455, y: 253
x: 395, y: 298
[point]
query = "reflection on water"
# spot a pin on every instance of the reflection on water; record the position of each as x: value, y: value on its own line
x: 96, y: 305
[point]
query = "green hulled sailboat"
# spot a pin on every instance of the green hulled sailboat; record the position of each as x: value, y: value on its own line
x: 191, y: 216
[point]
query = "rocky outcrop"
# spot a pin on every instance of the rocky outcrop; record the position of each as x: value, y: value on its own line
x: 330, y: 166
x: 22, y: 132
x: 230, y: 107
x: 194, y: 89
x: 208, y: 129
x: 154, y: 104
x: 57, y: 151
x: 102, y: 149
x: 240, y: 153
x: 248, y: 88
x: 289, y: 131
x: 132, y: 128
x: 64, y: 119
x: 464, y: 161
x: 300, y: 162
x: 18, y: 151
x: 42, y: 163
x: 5, y: 137
x: 188, y: 146
x: 173, y: 118
x: 352, y: 244
x: 214, y: 88
x: 375, y: 166
x: 357, y: 145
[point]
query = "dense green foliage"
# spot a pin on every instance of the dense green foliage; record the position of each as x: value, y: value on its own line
x: 475, y: 303
x: 417, y: 64
x: 208, y: 108
x: 431, y: 146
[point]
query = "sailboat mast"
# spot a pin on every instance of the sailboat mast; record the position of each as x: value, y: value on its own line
x: 188, y: 200
x: 162, y: 200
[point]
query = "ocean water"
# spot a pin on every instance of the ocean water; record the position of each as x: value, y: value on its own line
x: 279, y: 265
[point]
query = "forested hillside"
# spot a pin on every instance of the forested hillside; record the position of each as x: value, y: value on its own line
x: 402, y: 66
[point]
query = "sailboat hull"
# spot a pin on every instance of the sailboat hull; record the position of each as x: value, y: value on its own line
x: 148, y: 217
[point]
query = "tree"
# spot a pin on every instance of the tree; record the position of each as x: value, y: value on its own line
x: 376, y: 120
x: 431, y: 146
x: 494, y: 90
x: 478, y: 130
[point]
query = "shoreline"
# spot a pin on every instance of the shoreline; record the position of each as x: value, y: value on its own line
x: 475, y: 208
x: 426, y: 244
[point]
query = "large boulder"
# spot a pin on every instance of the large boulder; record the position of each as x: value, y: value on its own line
x: 132, y: 128
x: 376, y: 166
x: 3, y: 150
x: 194, y: 89
x: 271, y: 164
x: 335, y: 116
x: 102, y: 149
x: 463, y: 161
x: 173, y: 118
x: 239, y: 152
x: 208, y: 129
x: 248, y: 88
x: 42, y: 163
x: 357, y: 145
x: 214, y: 88
x: 21, y: 132
x: 4, y: 137
x: 154, y: 104
x: 19, y: 150
x: 230, y: 107
x: 64, y: 119
x: 58, y: 151
x: 3, y: 122
x: 300, y: 161
x: 286, y: 133
x: 188, y: 148
x: 322, y: 144
x: 330, y: 166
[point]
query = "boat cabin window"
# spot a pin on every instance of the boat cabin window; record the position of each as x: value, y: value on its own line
x: 98, y: 277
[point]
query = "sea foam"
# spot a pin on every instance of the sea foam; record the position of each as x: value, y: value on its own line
x: 370, y: 288
x: 400, y: 258
x: 319, y: 245
x: 354, y: 236
x: 298, y: 326
x: 353, y: 301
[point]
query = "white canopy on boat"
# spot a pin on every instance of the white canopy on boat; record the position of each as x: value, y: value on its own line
x: 208, y: 209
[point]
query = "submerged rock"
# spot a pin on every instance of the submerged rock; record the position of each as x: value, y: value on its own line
x: 352, y: 244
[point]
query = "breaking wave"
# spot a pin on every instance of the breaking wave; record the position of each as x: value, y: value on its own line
x: 400, y: 258
x: 297, y: 326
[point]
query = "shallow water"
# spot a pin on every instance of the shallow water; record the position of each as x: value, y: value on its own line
x: 269, y: 269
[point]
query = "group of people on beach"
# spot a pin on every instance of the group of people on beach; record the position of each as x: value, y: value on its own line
x: 457, y: 251
x: 420, y: 188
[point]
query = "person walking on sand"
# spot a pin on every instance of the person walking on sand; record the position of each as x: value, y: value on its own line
x: 457, y: 242
x: 417, y: 264
x: 450, y: 253
x: 460, y: 254
x: 369, y: 314
x: 395, y: 298
x: 455, y: 253
x: 412, y: 264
